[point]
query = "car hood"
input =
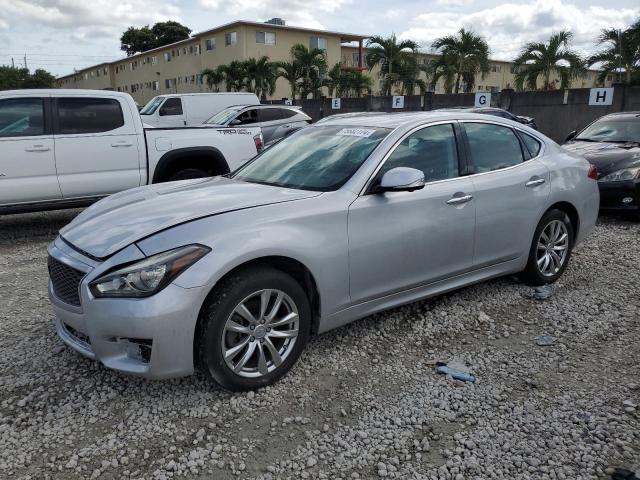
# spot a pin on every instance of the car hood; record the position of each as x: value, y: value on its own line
x: 607, y: 157
x: 127, y: 217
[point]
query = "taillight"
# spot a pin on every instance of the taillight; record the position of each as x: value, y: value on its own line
x: 259, y: 142
x: 593, y: 172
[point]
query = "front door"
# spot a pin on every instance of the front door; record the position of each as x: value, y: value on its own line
x: 511, y: 192
x: 27, y: 161
x: 97, y: 150
x: 172, y: 114
x: 399, y: 240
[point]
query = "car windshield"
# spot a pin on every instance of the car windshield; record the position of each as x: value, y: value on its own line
x: 616, y: 130
x: 152, y: 106
x: 314, y: 158
x: 225, y: 116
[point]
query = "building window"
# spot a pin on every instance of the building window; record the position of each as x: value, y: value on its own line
x: 495, y: 68
x: 211, y: 44
x: 318, y: 42
x: 231, y: 38
x: 198, y: 49
x: 355, y: 58
x: 514, y: 69
x: 268, y: 38
x: 167, y: 56
x: 154, y: 60
x: 168, y: 83
x: 156, y: 85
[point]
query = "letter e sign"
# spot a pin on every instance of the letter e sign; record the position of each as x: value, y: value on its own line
x: 601, y: 96
x: 335, y: 104
x: 483, y: 99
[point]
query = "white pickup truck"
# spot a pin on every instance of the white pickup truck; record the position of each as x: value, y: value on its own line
x: 67, y: 148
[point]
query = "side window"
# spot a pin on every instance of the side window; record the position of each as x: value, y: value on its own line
x: 248, y: 117
x: 21, y: 117
x: 286, y: 113
x: 89, y: 115
x: 493, y: 146
x: 432, y: 150
x: 532, y: 144
x: 270, y: 114
x: 171, y: 106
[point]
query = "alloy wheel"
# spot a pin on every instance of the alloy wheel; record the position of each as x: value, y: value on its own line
x: 260, y: 333
x: 553, y: 247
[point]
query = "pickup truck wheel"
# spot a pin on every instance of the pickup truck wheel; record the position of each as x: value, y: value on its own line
x: 550, y: 249
x: 188, y: 173
x: 254, y: 327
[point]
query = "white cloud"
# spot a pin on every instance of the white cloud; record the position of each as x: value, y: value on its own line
x: 85, y: 19
x: 454, y: 3
x: 509, y: 26
x: 300, y: 13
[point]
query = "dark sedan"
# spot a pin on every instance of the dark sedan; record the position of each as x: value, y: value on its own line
x: 612, y: 144
x: 496, y: 112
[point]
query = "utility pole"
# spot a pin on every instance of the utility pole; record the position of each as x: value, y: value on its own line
x: 13, y: 64
x: 25, y: 61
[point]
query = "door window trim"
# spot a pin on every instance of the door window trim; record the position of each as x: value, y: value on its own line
x: 515, y: 132
x: 460, y: 150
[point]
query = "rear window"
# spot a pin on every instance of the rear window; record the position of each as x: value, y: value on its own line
x: 270, y: 114
x: 89, y: 115
x: 493, y: 146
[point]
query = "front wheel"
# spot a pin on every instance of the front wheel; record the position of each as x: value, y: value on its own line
x: 550, y: 249
x: 254, y: 327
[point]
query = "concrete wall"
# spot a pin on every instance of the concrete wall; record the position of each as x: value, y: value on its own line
x: 556, y: 112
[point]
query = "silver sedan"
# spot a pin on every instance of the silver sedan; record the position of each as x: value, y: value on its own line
x: 338, y: 221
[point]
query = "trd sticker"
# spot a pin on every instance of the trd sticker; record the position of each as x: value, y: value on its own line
x: 234, y: 131
x: 356, y: 132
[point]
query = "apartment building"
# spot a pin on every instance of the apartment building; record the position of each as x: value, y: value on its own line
x: 176, y: 68
x: 501, y: 74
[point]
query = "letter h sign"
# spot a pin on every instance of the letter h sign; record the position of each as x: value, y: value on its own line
x: 601, y: 96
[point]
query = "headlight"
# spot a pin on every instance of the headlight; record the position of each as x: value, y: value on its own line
x: 622, y: 175
x: 149, y: 276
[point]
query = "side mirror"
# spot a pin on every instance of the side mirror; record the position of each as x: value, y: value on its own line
x: 401, y: 179
x: 571, y: 135
x: 235, y: 121
x: 525, y: 120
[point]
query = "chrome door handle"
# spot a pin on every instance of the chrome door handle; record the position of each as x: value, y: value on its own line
x: 122, y: 144
x: 37, y: 148
x: 534, y: 182
x: 459, y: 200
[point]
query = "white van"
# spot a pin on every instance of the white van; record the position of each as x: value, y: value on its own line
x: 190, y: 109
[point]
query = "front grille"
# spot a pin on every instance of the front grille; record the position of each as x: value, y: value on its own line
x: 65, y: 281
x: 82, y: 337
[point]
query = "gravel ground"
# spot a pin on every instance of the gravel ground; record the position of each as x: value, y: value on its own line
x: 363, y: 402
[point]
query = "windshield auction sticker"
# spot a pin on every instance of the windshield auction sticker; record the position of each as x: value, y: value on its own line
x: 356, y: 132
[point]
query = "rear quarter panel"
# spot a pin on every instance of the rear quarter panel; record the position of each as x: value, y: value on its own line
x: 570, y: 183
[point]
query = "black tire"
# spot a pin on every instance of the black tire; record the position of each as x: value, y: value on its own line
x: 532, y: 274
x: 188, y: 174
x: 219, y: 307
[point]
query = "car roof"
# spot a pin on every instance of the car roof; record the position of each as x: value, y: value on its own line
x: 64, y: 91
x: 633, y: 114
x: 395, y: 120
x: 469, y: 109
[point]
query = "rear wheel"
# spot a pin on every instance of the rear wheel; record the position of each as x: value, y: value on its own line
x: 550, y: 249
x: 254, y: 327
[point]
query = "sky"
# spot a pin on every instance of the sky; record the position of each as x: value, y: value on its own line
x: 63, y: 35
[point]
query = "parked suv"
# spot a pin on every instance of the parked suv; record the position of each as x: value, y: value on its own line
x: 276, y: 121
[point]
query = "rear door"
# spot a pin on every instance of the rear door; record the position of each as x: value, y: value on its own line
x: 97, y: 146
x: 511, y: 191
x: 27, y: 161
x: 171, y: 113
x: 399, y: 240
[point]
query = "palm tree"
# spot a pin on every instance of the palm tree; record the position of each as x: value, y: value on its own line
x: 538, y: 58
x: 313, y: 64
x: 409, y: 72
x: 388, y: 53
x: 333, y: 79
x: 441, y: 67
x: 621, y: 53
x: 468, y: 53
x: 234, y: 76
x: 213, y: 77
x: 260, y: 76
x: 291, y: 72
x: 354, y: 84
